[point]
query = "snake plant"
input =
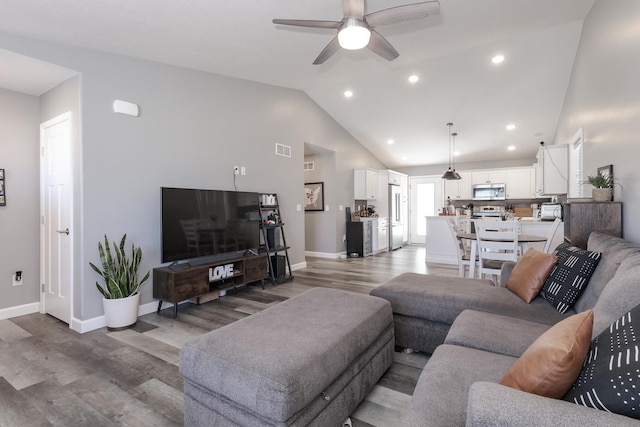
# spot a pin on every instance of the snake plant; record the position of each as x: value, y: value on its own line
x: 120, y: 274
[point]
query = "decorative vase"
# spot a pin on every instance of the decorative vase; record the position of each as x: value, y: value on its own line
x: 602, y: 194
x: 121, y: 313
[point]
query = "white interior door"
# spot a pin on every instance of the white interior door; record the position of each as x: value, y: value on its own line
x: 425, y: 198
x: 56, y: 208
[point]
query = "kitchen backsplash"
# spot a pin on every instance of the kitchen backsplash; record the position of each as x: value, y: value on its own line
x: 516, y: 203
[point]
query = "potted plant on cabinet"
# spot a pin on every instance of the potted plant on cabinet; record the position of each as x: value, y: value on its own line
x: 121, y: 296
x: 603, y: 187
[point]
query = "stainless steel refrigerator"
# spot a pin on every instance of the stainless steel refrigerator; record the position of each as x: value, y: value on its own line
x: 396, y: 225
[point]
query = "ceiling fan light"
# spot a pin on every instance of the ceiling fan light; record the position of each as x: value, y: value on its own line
x: 354, y: 35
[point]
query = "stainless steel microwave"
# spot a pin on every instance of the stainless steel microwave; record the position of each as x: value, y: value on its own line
x: 489, y: 192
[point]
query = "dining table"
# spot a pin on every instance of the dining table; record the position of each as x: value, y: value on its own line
x: 523, y: 242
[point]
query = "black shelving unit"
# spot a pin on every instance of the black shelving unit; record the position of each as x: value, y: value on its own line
x: 274, y: 240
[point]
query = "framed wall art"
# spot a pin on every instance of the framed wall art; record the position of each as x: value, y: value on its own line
x: 313, y: 196
x: 605, y: 170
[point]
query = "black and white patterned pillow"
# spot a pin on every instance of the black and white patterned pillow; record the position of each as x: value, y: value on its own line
x: 610, y: 377
x: 570, y: 276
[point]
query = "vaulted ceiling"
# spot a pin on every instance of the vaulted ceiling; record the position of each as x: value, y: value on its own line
x: 450, y: 53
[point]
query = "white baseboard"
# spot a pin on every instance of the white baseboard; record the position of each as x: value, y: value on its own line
x: 83, y: 326
x: 92, y: 324
x: 299, y: 266
x: 19, y: 310
x: 323, y: 254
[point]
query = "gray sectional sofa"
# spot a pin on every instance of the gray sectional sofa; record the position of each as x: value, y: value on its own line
x: 476, y: 331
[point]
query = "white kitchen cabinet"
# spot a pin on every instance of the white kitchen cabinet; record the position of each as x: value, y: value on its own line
x: 489, y: 177
x: 552, y: 170
x: 394, y: 178
x: 458, y: 189
x: 365, y: 184
x: 382, y: 243
x: 380, y: 233
x: 518, y: 183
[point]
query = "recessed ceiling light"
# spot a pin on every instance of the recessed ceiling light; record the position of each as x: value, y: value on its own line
x: 390, y: 141
x: 497, y: 59
x: 348, y: 94
x: 511, y: 126
x: 456, y: 153
x: 404, y: 157
x: 511, y: 147
x: 413, y: 78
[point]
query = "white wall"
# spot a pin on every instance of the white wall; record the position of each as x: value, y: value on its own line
x: 193, y: 127
x: 19, y: 225
x: 604, y: 98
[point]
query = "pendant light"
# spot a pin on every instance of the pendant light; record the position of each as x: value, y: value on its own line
x: 456, y: 175
x: 450, y: 173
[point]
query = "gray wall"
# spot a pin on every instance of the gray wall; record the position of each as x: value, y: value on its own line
x: 19, y: 225
x: 193, y: 128
x: 320, y: 226
x: 604, y: 98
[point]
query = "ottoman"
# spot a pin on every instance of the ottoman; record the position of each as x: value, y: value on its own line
x: 309, y: 360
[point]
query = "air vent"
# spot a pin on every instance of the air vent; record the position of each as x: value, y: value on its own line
x: 309, y: 166
x: 283, y: 150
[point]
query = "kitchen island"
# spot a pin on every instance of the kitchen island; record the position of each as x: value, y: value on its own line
x: 441, y: 247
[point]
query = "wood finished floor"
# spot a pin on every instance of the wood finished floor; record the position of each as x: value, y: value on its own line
x: 53, y: 376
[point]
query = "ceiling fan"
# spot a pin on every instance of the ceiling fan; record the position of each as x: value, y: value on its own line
x: 356, y: 30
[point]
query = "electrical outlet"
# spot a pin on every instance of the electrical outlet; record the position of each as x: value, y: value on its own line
x: 17, y: 278
x: 236, y: 170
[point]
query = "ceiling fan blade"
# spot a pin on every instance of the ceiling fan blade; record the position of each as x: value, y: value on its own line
x: 328, y: 51
x: 382, y: 47
x: 353, y: 8
x: 308, y: 23
x: 403, y: 13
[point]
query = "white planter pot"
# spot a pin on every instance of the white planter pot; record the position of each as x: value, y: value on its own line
x: 121, y: 313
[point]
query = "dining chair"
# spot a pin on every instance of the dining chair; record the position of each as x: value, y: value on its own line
x: 551, y: 235
x: 497, y: 243
x: 464, y: 258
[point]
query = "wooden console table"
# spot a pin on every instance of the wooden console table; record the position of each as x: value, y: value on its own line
x: 177, y: 284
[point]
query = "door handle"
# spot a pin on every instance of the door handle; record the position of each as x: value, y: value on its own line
x: 65, y: 231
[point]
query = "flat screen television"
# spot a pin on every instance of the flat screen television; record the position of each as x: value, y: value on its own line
x: 208, y: 223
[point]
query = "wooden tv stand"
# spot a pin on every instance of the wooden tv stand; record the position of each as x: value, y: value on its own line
x: 180, y: 283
